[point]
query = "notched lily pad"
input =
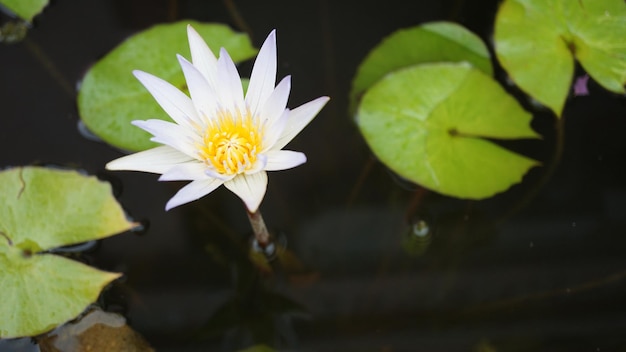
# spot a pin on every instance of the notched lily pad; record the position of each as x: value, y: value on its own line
x: 536, y: 41
x: 44, y: 209
x: 25, y: 9
x: 110, y: 97
x: 428, y: 43
x: 430, y: 124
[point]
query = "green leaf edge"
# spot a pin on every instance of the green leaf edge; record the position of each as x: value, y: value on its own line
x: 23, y: 174
x: 567, y: 39
x: 25, y: 9
x: 449, y: 32
x: 48, y: 323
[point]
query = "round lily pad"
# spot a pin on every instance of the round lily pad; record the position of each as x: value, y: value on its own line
x: 427, y: 43
x: 536, y: 41
x: 44, y: 209
x: 431, y: 124
x: 110, y: 97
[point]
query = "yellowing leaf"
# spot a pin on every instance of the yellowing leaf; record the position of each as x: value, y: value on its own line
x: 40, y: 292
x: 42, y: 209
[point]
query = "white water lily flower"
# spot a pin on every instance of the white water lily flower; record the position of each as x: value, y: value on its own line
x: 219, y: 136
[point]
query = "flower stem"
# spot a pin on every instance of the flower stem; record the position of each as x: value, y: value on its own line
x: 261, y: 234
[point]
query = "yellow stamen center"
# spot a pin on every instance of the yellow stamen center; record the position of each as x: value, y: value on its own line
x: 230, y: 143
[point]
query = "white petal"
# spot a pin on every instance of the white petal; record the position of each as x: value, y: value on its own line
x: 193, y: 191
x: 259, y: 164
x: 275, y: 131
x: 250, y: 188
x: 202, y: 94
x: 283, y: 159
x: 263, y: 76
x: 156, y: 160
x: 174, y: 102
x: 193, y: 170
x: 170, y: 134
x: 229, y: 82
x: 298, y: 119
x: 276, y: 104
x: 214, y: 174
x: 201, y: 55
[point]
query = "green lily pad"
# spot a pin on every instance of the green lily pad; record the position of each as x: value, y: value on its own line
x: 110, y: 97
x: 427, y: 43
x: 44, y: 209
x: 431, y: 123
x: 43, y: 291
x: 25, y: 9
x: 536, y: 41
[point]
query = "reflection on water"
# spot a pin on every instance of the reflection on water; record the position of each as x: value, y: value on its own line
x: 418, y: 238
x: 372, y: 263
x: 86, y: 133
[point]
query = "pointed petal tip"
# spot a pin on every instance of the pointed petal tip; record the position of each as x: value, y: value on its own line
x: 320, y: 102
x: 191, y: 31
x: 176, y: 201
x: 170, y: 205
x: 182, y: 61
x: 249, y: 188
x: 284, y: 159
x: 226, y: 59
x: 139, y: 75
x: 110, y: 165
x: 119, y: 164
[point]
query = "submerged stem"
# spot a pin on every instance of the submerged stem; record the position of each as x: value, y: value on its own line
x: 261, y: 234
x: 52, y: 69
x: 237, y: 17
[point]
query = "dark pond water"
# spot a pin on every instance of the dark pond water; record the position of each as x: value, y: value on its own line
x: 540, y: 267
